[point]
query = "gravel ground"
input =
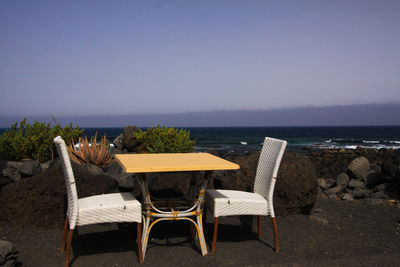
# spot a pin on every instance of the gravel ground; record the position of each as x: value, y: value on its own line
x: 337, y: 234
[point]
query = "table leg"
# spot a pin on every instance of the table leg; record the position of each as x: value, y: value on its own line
x: 199, y: 216
x: 143, y: 182
x: 148, y: 213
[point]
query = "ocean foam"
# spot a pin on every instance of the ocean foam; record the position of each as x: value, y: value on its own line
x: 371, y: 142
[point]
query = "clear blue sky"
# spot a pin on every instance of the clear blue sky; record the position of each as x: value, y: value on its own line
x: 147, y: 57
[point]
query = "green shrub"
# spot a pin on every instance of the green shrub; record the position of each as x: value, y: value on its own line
x: 34, y: 141
x: 164, y: 140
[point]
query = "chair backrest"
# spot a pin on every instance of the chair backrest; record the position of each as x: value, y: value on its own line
x: 69, y: 181
x: 268, y: 165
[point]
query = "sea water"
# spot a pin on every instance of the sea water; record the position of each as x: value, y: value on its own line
x: 251, y: 138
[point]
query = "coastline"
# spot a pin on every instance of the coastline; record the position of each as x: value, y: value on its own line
x: 337, y: 232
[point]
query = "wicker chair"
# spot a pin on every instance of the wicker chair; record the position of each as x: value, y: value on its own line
x: 231, y: 202
x: 106, y: 208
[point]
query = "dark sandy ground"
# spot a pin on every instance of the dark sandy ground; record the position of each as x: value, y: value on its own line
x: 337, y: 234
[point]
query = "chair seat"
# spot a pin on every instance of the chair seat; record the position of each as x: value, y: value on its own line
x: 232, y: 202
x: 116, y: 207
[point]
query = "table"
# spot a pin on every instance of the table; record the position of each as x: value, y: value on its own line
x: 155, y: 211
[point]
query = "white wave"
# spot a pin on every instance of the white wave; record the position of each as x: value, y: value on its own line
x: 350, y: 147
x: 394, y: 142
x: 244, y: 143
x: 371, y: 142
x: 328, y: 141
x: 77, y: 145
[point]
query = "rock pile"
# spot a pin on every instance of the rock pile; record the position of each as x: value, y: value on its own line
x: 40, y: 200
x: 362, y: 179
x: 126, y: 141
x: 14, y: 171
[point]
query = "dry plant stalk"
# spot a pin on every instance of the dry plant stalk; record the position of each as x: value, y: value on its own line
x: 99, y: 155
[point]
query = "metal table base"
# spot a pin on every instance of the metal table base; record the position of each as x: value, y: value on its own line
x: 153, y: 214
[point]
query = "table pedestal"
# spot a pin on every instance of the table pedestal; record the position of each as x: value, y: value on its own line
x: 156, y: 211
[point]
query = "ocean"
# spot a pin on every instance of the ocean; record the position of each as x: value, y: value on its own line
x: 251, y: 138
x: 238, y: 139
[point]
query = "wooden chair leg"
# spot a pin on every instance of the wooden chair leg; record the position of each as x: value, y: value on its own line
x: 67, y: 252
x: 214, y: 235
x: 276, y: 234
x: 259, y: 226
x: 139, y: 241
x: 65, y: 233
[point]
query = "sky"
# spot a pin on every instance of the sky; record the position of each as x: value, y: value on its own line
x: 78, y: 58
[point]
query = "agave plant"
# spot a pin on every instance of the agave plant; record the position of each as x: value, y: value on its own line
x: 97, y: 154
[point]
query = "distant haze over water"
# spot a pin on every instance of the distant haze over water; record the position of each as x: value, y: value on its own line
x: 370, y: 126
x: 350, y: 115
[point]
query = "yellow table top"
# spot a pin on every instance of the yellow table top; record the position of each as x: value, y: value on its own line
x: 172, y: 162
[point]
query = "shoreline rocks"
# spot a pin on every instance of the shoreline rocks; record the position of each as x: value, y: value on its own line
x: 371, y: 174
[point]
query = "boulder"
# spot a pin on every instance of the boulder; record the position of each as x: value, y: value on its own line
x: 171, y: 184
x: 360, y: 193
x: 330, y: 182
x: 129, y: 141
x: 39, y: 202
x: 322, y: 183
x: 348, y: 197
x: 94, y: 169
x: 119, y: 142
x: 333, y: 196
x: 11, y: 173
x: 380, y: 187
x: 114, y: 170
x: 356, y: 184
x: 342, y: 179
x: 375, y: 167
x: 296, y: 188
x: 87, y: 168
x: 46, y: 165
x: 242, y: 179
x: 335, y: 190
x: 3, y: 164
x: 126, y: 182
x: 8, y: 254
x: 359, y: 168
x: 379, y: 194
x: 373, y: 178
x: 26, y: 167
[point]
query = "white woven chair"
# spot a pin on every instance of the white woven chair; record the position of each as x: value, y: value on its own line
x: 231, y: 202
x: 107, y: 208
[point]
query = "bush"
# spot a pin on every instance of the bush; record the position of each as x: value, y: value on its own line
x: 164, y: 140
x: 34, y: 141
x: 97, y: 154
